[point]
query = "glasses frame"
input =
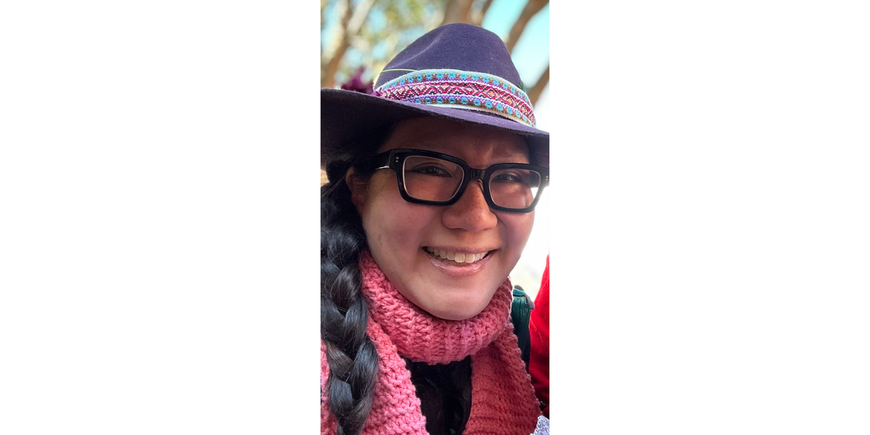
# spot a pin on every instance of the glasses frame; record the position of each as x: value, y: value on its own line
x: 395, y: 159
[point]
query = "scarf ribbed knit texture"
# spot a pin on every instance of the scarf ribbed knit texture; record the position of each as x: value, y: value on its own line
x: 502, y: 398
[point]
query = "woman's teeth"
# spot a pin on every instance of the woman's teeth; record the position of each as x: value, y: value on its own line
x: 459, y: 258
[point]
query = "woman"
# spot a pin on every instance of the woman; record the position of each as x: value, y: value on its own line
x: 433, y: 183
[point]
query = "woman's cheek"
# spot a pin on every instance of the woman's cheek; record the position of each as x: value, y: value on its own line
x: 519, y: 228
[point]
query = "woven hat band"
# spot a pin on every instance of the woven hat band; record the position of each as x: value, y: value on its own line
x: 463, y: 90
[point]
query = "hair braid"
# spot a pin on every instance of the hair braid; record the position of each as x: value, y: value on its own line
x: 351, y: 355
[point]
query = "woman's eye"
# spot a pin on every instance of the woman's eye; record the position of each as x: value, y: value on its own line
x: 508, y: 177
x: 431, y: 170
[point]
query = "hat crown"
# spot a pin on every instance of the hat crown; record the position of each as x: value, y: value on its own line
x: 455, y: 46
x: 459, y: 71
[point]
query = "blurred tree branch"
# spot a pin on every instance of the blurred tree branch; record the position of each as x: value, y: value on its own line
x: 535, y: 91
x: 465, y: 11
x: 532, y: 8
x: 370, y: 32
x: 351, y: 22
x: 476, y: 16
x: 456, y: 11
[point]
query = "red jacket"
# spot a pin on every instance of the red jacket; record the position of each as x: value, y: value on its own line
x: 539, y: 332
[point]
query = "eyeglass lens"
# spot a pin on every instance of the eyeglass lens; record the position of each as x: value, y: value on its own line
x: 434, y: 179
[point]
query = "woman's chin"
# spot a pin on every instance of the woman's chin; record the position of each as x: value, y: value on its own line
x: 458, y: 310
x: 450, y: 298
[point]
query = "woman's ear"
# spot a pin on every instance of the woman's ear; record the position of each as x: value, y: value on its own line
x: 358, y: 189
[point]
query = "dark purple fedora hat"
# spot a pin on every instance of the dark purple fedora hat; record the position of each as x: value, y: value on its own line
x: 457, y: 71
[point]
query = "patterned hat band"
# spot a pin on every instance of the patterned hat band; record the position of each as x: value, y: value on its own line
x: 463, y: 90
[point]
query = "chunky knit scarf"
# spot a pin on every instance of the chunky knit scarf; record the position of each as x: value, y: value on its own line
x: 502, y: 398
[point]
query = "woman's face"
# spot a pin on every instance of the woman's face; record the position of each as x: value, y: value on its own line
x: 402, y: 235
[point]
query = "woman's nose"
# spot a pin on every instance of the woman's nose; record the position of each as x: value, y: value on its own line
x: 470, y: 212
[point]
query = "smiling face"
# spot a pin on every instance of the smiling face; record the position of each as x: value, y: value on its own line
x: 410, y: 241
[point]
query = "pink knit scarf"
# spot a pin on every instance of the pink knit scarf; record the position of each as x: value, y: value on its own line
x: 502, y: 398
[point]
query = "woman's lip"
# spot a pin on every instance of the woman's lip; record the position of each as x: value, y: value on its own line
x: 453, y: 269
x: 458, y: 250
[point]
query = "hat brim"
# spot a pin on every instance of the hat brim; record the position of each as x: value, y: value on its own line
x: 345, y: 115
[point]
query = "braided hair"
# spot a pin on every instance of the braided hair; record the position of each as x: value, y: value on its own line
x: 350, y: 353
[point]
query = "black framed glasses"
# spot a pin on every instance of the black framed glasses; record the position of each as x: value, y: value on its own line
x: 427, y: 177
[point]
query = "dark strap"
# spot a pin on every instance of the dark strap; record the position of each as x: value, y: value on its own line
x: 521, y: 311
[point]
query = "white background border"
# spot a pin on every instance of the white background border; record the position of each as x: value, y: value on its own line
x: 708, y: 223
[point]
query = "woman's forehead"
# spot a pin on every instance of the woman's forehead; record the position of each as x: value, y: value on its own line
x: 459, y: 139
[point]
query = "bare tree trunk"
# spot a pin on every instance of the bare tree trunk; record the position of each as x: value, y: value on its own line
x: 532, y: 8
x: 484, y: 9
x: 327, y: 78
x: 535, y: 91
x: 476, y: 17
x: 457, y: 11
x: 351, y: 23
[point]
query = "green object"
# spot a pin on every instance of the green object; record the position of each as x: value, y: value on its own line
x: 521, y: 311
